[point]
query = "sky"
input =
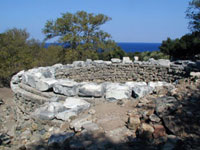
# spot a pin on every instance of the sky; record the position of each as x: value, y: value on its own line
x: 149, y: 21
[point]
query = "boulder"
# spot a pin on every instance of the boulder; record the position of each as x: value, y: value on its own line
x: 78, y: 123
x: 96, y: 62
x: 49, y: 110
x: 90, y: 126
x: 37, y: 81
x: 76, y: 104
x: 160, y: 84
x: 91, y: 90
x: 115, y: 60
x: 66, y: 87
x: 166, y: 105
x: 164, y: 62
x: 17, y: 78
x: 134, y: 84
x: 59, y: 139
x: 117, y: 91
x: 141, y: 91
x: 126, y: 60
x: 134, y: 122
x: 66, y: 115
x: 159, y: 131
x: 78, y: 63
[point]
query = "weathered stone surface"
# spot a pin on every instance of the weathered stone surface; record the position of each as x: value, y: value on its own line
x: 78, y: 63
x: 37, y: 81
x: 159, y: 131
x: 49, y: 110
x: 91, y: 90
x: 66, y: 87
x: 116, y: 91
x: 166, y: 105
x: 164, y: 62
x: 90, y: 127
x: 66, y: 115
x: 17, y: 78
x: 159, y: 84
x: 133, y: 84
x: 78, y: 123
x: 154, y: 118
x: 59, y: 139
x: 134, y: 122
x: 115, y: 60
x: 141, y: 91
x: 126, y: 60
x: 147, y: 128
x: 78, y: 105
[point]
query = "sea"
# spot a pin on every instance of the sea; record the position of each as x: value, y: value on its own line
x: 139, y: 47
x: 130, y: 47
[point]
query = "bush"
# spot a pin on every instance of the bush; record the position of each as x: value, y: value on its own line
x: 184, y: 48
x: 144, y: 56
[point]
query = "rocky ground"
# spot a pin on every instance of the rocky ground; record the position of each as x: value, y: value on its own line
x: 167, y: 119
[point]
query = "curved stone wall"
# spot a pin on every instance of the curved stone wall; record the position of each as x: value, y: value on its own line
x: 108, y: 80
x: 121, y: 73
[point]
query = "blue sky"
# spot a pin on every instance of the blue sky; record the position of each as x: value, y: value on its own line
x: 132, y: 20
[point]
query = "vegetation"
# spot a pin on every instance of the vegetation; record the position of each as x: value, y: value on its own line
x: 81, y: 31
x: 144, y: 56
x: 193, y: 14
x: 188, y: 45
x: 18, y: 52
x: 81, y: 38
x: 184, y: 48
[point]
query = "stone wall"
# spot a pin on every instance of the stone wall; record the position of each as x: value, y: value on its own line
x: 122, y: 73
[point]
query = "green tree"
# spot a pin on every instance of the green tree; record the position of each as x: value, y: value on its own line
x: 81, y: 31
x: 15, y: 53
x: 193, y: 13
x: 184, y: 48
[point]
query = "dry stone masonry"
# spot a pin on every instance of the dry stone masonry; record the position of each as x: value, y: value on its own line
x: 59, y: 91
x: 122, y: 99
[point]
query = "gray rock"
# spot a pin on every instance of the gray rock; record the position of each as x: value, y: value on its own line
x: 154, y: 118
x: 38, y: 82
x: 116, y: 91
x: 88, y: 62
x: 59, y: 139
x: 17, y: 78
x: 49, y: 110
x: 126, y: 60
x: 141, y: 91
x: 66, y: 87
x: 166, y: 105
x: 91, y: 90
x: 55, y: 107
x: 164, y: 62
x: 96, y: 62
x: 78, y: 123
x: 133, y: 84
x: 159, y: 84
x: 90, y: 127
x: 107, y: 62
x: 115, y: 60
x: 44, y: 115
x: 66, y: 115
x: 76, y: 104
x: 78, y: 63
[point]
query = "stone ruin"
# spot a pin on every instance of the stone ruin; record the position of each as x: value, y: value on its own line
x: 62, y: 92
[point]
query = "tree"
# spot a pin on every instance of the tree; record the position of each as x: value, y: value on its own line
x: 184, y: 48
x: 78, y: 28
x: 81, y: 32
x: 193, y: 13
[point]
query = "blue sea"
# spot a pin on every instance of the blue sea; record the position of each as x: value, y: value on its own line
x: 139, y: 47
x: 130, y: 47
